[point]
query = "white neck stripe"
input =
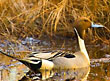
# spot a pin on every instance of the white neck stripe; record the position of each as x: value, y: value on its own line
x: 82, y: 45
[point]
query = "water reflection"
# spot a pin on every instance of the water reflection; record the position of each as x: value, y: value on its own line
x: 13, y: 73
x: 58, y: 75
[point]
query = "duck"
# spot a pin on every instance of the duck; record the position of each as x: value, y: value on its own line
x: 61, y: 59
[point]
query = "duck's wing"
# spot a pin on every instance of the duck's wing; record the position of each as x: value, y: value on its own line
x: 51, y: 55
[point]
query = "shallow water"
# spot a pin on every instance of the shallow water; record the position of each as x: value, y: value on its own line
x: 12, y: 70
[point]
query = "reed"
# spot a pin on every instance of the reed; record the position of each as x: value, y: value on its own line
x: 22, y: 18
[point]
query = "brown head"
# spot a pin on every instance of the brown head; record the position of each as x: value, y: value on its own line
x: 83, y: 24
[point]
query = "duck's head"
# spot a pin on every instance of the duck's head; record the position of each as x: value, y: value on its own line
x: 82, y: 24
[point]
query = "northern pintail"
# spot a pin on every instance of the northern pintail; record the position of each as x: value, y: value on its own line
x: 61, y: 59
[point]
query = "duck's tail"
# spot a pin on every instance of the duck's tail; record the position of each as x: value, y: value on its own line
x: 33, y: 63
x: 9, y: 55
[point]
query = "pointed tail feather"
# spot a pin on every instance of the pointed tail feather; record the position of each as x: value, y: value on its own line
x: 32, y: 64
x: 9, y: 55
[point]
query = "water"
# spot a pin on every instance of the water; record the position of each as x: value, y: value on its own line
x: 12, y: 70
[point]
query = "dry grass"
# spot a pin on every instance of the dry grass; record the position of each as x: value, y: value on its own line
x: 22, y: 18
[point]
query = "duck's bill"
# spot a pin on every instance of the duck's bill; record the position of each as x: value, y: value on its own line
x: 96, y: 25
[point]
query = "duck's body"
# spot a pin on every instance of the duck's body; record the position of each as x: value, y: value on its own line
x: 58, y: 60
x: 61, y: 59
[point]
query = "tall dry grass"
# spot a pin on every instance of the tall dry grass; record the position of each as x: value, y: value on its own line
x: 21, y: 18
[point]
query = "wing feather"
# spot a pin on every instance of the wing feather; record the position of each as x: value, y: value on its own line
x: 51, y: 55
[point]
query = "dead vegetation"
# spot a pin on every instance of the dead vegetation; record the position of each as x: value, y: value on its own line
x: 22, y: 18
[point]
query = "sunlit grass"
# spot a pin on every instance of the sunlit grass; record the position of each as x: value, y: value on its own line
x: 22, y: 18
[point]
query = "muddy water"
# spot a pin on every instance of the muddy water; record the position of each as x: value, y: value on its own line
x: 12, y: 70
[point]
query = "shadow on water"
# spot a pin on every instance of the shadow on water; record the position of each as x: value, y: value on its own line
x: 12, y: 70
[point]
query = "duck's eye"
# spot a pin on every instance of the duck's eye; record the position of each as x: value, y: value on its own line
x: 85, y: 20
